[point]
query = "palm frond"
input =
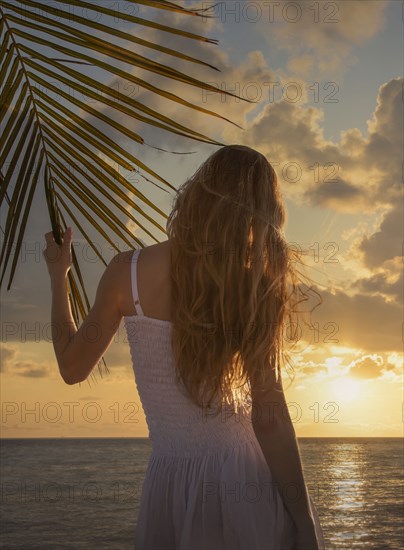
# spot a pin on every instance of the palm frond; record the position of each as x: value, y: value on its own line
x: 44, y: 142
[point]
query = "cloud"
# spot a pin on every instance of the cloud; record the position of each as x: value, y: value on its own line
x: 351, y: 362
x: 387, y: 282
x: 354, y: 175
x: 386, y: 242
x: 301, y: 65
x: 369, y: 366
x: 310, y: 367
x: 28, y: 369
x: 7, y: 354
x: 336, y: 193
x: 383, y: 148
x: 366, y: 322
x: 326, y: 32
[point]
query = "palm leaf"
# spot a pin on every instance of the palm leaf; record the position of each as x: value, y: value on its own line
x: 44, y: 141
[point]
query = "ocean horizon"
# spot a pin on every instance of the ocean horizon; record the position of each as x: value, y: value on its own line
x: 80, y: 492
x: 141, y: 437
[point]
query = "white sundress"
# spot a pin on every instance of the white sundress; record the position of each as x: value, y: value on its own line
x: 207, y: 484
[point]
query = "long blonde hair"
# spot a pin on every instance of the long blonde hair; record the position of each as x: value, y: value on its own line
x: 230, y: 271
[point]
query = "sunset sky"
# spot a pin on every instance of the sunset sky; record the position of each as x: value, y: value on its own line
x: 339, y: 118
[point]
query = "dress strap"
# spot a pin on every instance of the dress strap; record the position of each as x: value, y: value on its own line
x: 135, y: 257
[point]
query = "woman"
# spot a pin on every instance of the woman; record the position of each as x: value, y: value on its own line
x: 204, y: 312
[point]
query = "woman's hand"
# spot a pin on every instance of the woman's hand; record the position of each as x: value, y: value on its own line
x: 58, y: 257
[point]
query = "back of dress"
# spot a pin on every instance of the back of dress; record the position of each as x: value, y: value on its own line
x: 207, y: 484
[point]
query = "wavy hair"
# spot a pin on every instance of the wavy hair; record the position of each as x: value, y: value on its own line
x: 234, y: 278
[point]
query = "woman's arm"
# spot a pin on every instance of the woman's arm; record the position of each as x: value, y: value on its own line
x: 276, y: 435
x: 281, y: 452
x: 78, y: 350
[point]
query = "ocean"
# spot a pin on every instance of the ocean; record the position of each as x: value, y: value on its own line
x: 85, y: 493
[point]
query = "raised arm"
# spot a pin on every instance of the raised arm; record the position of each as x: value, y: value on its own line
x: 78, y: 350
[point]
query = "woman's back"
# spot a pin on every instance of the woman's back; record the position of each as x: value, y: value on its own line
x: 207, y: 483
x: 153, y: 282
x: 177, y: 425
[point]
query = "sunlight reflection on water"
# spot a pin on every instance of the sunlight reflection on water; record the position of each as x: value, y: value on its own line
x: 359, y: 491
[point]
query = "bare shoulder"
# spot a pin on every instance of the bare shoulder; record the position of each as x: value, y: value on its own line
x: 155, y: 257
x: 158, y: 252
x: 124, y: 257
x: 153, y: 270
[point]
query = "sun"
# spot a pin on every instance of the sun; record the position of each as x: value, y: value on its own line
x: 346, y: 389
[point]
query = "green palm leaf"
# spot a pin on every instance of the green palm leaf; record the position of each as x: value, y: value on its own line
x: 45, y: 137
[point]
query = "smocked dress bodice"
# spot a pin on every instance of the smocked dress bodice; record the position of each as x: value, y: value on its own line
x: 176, y: 425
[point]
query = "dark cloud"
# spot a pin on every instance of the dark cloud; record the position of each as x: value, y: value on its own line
x: 335, y: 194
x: 386, y: 242
x: 365, y: 172
x: 378, y: 284
x: 368, y: 322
